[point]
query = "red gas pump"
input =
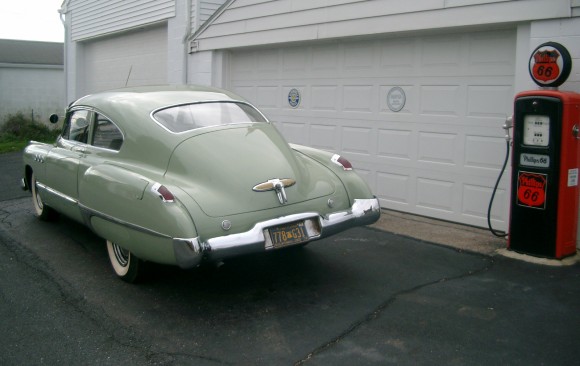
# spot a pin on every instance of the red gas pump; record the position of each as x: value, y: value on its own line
x: 546, y: 160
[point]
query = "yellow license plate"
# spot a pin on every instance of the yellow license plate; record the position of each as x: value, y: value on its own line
x: 289, y: 234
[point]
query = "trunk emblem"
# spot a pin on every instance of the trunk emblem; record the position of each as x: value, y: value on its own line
x: 277, y: 185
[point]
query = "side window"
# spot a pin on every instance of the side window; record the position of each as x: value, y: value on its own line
x: 106, y: 134
x: 77, y: 126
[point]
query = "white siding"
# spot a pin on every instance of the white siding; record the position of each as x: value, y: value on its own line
x: 202, y: 10
x: 207, y: 8
x: 91, y: 18
x: 259, y: 22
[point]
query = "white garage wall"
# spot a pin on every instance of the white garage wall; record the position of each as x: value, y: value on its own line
x: 437, y: 157
x: 37, y: 92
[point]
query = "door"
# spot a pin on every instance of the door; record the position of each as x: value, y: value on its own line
x: 62, y: 164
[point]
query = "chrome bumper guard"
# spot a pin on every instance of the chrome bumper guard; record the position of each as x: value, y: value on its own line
x: 189, y: 253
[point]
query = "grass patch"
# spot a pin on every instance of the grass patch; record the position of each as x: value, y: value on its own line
x: 17, y: 130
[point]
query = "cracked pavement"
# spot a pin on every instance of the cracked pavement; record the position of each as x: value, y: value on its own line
x: 364, y: 297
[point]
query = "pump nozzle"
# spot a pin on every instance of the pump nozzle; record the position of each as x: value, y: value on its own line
x: 509, y: 123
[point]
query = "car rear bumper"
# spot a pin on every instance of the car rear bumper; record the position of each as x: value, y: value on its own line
x: 189, y: 252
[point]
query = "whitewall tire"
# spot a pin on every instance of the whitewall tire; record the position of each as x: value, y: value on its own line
x: 41, y: 210
x: 126, y: 266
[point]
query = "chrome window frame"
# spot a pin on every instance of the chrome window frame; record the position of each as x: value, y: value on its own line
x: 152, y: 115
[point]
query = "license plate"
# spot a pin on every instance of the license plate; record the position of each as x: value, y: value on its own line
x: 288, y: 234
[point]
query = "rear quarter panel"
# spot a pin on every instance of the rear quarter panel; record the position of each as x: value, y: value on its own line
x: 355, y: 186
x: 123, y: 208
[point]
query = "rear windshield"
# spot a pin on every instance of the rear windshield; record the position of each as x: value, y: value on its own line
x: 191, y: 116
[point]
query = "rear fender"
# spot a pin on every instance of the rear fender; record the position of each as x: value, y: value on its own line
x: 355, y: 186
x: 126, y: 199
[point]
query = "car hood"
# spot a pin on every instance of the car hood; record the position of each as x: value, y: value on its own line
x: 220, y: 167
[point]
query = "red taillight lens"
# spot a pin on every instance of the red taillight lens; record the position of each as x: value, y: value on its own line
x: 163, y: 192
x: 339, y: 160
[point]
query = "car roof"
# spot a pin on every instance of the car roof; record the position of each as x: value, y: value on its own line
x: 145, y: 99
x: 130, y: 109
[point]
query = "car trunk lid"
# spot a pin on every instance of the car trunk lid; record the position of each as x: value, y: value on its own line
x: 229, y: 170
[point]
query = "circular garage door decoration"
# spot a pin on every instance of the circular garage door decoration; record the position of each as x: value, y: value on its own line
x: 396, y: 99
x: 550, y: 64
x: 294, y: 98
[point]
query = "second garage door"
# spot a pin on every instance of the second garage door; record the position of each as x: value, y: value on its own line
x: 126, y: 59
x: 419, y: 117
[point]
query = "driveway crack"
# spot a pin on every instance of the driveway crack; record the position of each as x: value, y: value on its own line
x: 382, y: 307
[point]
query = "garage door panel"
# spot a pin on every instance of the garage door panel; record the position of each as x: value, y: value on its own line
x: 434, y: 62
x: 474, y: 194
x: 439, y: 155
x: 129, y: 59
x: 441, y: 100
x: 395, y: 144
x: 248, y: 91
x: 324, y: 97
x: 484, y: 152
x: 438, y: 148
x: 402, y: 62
x: 324, y: 137
x: 487, y: 53
x: 435, y: 194
x: 267, y: 96
x: 358, y: 140
x: 394, y: 187
x: 296, y: 133
x: 489, y: 101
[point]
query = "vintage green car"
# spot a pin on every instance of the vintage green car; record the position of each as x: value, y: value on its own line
x: 181, y: 175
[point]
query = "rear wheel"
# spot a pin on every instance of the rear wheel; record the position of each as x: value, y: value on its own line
x: 126, y: 266
x: 41, y: 210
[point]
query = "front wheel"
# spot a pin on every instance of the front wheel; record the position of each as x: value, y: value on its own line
x: 126, y: 266
x: 41, y: 210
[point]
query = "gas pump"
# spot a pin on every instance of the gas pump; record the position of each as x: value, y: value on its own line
x: 545, y: 160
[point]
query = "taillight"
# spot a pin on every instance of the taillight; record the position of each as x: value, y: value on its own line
x: 163, y: 192
x: 339, y: 160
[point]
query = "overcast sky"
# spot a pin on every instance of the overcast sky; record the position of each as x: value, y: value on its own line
x: 31, y: 20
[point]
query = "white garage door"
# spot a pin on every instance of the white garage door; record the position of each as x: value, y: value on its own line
x: 132, y: 59
x: 439, y: 155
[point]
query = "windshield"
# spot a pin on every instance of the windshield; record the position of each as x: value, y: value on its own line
x: 191, y: 116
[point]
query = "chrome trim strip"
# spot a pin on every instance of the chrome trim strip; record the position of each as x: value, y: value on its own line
x: 24, y: 184
x: 56, y: 193
x: 87, y: 213
x: 190, y: 252
x: 152, y: 114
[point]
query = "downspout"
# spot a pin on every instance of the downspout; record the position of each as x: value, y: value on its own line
x: 184, y: 71
x: 61, y: 12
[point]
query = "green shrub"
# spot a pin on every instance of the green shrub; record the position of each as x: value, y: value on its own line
x: 18, y: 128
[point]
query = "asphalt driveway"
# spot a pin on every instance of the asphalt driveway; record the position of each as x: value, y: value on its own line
x: 365, y: 297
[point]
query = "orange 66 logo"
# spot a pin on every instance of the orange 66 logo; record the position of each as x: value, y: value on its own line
x: 532, y: 189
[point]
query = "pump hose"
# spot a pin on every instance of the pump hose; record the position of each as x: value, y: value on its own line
x: 497, y: 233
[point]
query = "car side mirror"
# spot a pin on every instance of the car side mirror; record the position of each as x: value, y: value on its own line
x: 53, y: 118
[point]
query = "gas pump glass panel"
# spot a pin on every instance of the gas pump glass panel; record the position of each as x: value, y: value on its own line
x: 536, y: 130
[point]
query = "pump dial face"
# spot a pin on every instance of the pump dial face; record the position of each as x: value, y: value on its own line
x: 536, y: 130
